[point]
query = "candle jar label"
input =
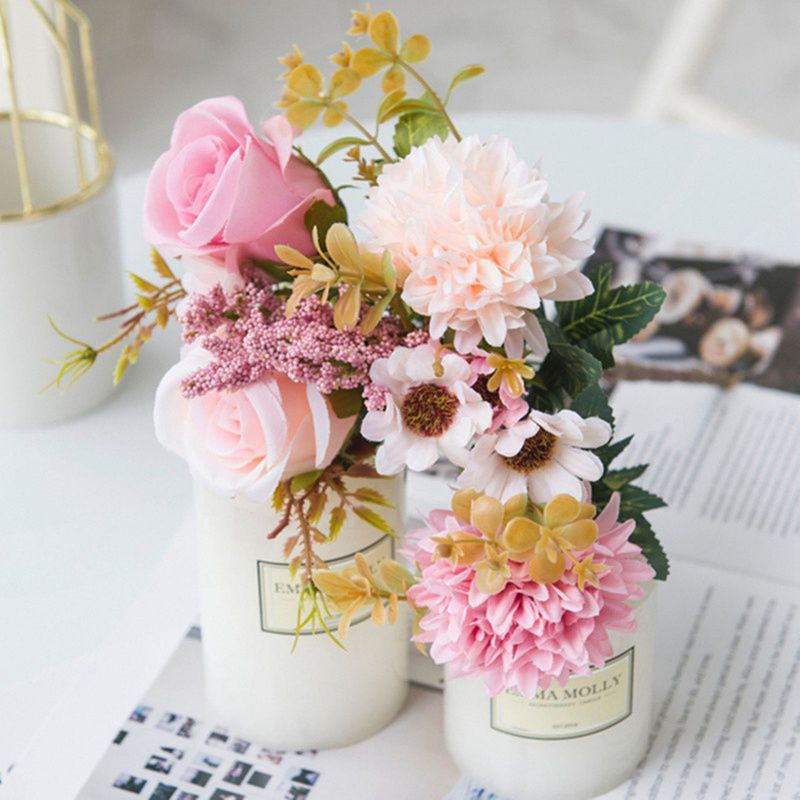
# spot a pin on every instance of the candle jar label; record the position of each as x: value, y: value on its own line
x: 279, y: 593
x: 585, y: 705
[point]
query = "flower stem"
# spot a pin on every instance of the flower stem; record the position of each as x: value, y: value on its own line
x: 435, y: 97
x: 370, y: 137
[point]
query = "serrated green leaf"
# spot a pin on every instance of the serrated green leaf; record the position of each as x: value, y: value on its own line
x: 279, y: 497
x: 160, y: 265
x: 416, y: 128
x: 345, y: 402
x: 464, y: 74
x: 121, y: 365
x: 367, y: 494
x: 608, y: 452
x: 339, y: 144
x: 305, y: 480
x: 643, y: 536
x: 552, y: 331
x: 373, y: 518
x: 143, y: 285
x: 338, y: 516
x: 145, y: 303
x: 634, y: 500
x: 321, y: 216
x: 609, y: 316
x: 569, y: 368
x: 617, y: 478
x: 592, y: 402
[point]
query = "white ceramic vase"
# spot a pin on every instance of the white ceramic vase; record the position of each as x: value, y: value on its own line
x: 319, y: 696
x: 63, y: 261
x: 569, y: 743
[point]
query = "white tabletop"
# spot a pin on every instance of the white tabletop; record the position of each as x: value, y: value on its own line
x: 91, y: 506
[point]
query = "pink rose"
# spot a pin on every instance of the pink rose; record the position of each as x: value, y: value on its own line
x: 222, y: 190
x: 243, y: 443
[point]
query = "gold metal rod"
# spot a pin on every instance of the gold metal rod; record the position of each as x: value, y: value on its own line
x: 16, y: 125
x: 68, y: 79
x: 87, y: 57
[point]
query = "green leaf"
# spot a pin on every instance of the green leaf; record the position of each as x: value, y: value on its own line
x: 274, y: 269
x: 416, y: 128
x: 608, y: 452
x: 339, y: 144
x: 160, y: 266
x: 592, y: 402
x: 368, y: 495
x: 279, y: 497
x: 373, y: 518
x: 142, y: 285
x: 321, y: 216
x: 609, y: 316
x: 388, y: 103
x: 569, y: 368
x: 338, y: 516
x: 422, y: 105
x: 617, y: 478
x: 644, y: 536
x: 305, y: 480
x: 635, y: 500
x: 464, y: 74
x: 345, y: 402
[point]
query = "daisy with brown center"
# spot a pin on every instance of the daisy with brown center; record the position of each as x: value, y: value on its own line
x: 429, y: 409
x: 542, y: 455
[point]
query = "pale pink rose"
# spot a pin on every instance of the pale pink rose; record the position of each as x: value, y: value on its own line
x: 481, y: 241
x: 222, y: 190
x: 243, y: 443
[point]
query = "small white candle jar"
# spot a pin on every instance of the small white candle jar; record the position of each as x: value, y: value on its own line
x: 569, y: 743
x: 318, y: 696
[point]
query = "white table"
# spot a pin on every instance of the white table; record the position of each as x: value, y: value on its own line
x: 90, y: 507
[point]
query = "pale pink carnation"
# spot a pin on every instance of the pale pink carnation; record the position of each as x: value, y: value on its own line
x: 530, y: 633
x: 482, y: 242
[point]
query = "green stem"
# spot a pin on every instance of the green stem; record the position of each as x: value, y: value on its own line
x: 367, y: 135
x: 435, y: 97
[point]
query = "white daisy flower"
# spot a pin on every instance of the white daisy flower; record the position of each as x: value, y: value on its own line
x: 430, y: 409
x: 542, y: 455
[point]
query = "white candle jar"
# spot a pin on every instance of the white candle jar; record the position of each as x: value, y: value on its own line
x: 318, y: 696
x: 569, y: 743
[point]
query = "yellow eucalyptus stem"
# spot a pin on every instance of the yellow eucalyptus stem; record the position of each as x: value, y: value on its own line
x: 367, y: 135
x: 435, y: 97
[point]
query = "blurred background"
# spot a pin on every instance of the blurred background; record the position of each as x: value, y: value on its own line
x: 158, y: 56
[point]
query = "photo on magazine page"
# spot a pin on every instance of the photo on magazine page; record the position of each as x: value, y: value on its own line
x: 728, y: 316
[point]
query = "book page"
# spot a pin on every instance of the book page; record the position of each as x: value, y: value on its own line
x: 171, y: 748
x: 728, y: 464
x: 727, y: 708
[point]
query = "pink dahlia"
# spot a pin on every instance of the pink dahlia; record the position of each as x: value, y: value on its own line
x: 482, y: 242
x: 529, y: 633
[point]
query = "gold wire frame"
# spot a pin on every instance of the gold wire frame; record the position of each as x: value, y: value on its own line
x: 57, y: 29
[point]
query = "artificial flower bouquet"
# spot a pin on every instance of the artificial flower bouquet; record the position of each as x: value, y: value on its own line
x: 449, y: 320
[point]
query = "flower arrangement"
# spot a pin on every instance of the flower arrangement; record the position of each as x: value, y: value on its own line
x: 450, y: 320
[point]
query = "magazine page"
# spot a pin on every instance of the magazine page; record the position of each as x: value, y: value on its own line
x: 727, y: 462
x: 170, y: 748
x: 727, y: 705
x: 728, y: 316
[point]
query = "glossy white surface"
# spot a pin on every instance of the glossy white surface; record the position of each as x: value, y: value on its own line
x: 88, y: 508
